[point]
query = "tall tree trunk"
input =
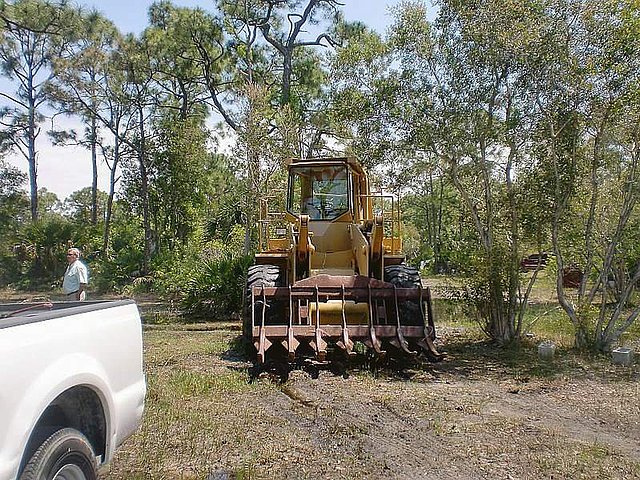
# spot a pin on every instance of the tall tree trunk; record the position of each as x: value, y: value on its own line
x: 94, y: 171
x: 253, y: 198
x: 107, y: 216
x: 247, y: 234
x: 287, y: 69
x: 513, y: 266
x: 33, y: 174
x: 112, y: 188
x: 144, y: 193
x: 32, y: 158
x: 146, y: 220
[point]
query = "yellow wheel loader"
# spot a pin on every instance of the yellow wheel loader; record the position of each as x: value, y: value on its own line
x: 330, y: 272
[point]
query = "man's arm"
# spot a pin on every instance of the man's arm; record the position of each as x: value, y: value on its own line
x: 83, y: 279
x: 80, y: 295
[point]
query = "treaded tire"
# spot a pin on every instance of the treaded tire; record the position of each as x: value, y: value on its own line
x: 405, y: 276
x: 259, y: 275
x: 65, y: 454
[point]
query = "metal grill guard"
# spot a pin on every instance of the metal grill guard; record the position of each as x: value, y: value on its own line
x: 305, y: 322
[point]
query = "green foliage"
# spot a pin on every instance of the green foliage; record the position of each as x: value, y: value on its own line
x: 14, y: 212
x: 211, y: 280
x: 34, y: 32
x: 225, y: 209
x: 447, y: 107
x: 33, y: 253
x: 174, y: 42
x: 179, y: 184
x: 363, y: 90
x: 118, y: 268
x: 41, y: 252
x: 78, y: 205
x: 216, y: 290
x: 433, y: 207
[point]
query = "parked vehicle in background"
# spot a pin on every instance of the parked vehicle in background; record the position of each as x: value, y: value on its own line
x: 535, y: 261
x: 73, y: 387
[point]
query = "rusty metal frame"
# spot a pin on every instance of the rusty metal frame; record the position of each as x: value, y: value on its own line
x: 358, y: 289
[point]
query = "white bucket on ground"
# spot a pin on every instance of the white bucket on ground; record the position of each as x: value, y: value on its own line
x: 622, y: 356
x: 546, y: 350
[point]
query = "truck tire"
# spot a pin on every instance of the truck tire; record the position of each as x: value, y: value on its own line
x: 259, y: 275
x: 405, y: 276
x: 65, y: 455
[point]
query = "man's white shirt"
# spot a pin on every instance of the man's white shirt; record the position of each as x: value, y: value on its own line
x: 75, y: 275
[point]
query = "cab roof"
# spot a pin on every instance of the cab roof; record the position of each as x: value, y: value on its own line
x: 352, y: 162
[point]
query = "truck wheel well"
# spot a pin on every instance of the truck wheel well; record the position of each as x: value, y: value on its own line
x: 79, y: 408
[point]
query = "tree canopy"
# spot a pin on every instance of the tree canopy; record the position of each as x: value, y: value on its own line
x: 507, y: 127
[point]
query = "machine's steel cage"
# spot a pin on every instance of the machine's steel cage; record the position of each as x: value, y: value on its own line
x: 305, y: 324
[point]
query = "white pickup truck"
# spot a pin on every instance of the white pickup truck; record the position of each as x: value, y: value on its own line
x: 72, y: 387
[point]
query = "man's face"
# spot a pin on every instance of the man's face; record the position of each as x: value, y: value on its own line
x: 71, y: 257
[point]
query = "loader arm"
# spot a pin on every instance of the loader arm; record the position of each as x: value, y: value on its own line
x: 377, y: 235
x: 304, y: 248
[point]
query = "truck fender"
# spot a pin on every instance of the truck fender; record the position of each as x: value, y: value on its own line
x: 79, y: 370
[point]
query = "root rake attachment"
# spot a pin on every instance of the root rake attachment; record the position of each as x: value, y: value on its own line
x: 340, y: 310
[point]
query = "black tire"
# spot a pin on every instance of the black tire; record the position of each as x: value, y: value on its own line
x: 259, y: 275
x: 65, y: 455
x: 405, y: 276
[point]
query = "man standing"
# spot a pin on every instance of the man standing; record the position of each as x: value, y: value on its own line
x: 75, y: 277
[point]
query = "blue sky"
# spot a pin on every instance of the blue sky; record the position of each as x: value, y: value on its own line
x: 131, y: 16
x: 64, y: 170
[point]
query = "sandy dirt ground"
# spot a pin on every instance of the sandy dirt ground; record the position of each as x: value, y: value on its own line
x: 482, y: 413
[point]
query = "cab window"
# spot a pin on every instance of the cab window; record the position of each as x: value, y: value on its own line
x: 321, y: 193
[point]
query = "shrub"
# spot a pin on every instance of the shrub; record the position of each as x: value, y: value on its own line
x: 217, y: 289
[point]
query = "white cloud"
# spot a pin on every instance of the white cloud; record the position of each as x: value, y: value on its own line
x: 67, y: 169
x: 63, y: 169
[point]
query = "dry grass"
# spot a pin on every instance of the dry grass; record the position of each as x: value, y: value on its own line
x: 482, y: 413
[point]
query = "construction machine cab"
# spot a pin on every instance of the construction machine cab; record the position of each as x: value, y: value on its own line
x: 322, y: 193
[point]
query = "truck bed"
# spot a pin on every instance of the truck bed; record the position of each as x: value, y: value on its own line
x: 71, y: 367
x: 13, y: 314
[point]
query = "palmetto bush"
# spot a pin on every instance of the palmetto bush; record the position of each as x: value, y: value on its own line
x: 216, y: 290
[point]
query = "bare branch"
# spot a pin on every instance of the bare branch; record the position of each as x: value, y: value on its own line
x: 318, y: 42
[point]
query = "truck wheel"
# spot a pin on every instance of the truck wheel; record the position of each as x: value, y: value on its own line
x: 65, y: 455
x: 259, y: 275
x: 405, y: 276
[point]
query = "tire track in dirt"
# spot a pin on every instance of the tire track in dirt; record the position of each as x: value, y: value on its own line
x: 466, y: 429
x: 391, y: 442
